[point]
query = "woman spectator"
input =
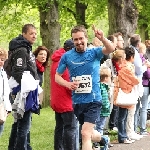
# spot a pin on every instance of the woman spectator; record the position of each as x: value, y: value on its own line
x: 4, y: 86
x: 126, y: 80
x: 42, y: 55
x: 145, y: 82
x: 131, y: 112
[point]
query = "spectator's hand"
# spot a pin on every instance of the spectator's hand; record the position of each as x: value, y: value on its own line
x: 98, y: 33
x: 147, y: 64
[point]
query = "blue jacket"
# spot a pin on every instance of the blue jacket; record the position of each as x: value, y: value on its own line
x: 31, y: 100
x: 138, y: 64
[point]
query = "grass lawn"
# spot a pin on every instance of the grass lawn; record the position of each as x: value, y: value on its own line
x: 42, y: 131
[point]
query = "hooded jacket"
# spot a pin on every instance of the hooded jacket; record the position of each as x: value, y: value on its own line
x: 22, y: 58
x: 60, y: 96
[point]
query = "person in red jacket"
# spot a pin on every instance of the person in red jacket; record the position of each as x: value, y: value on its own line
x: 61, y: 103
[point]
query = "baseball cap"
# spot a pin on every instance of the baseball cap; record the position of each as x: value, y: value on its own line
x: 68, y: 44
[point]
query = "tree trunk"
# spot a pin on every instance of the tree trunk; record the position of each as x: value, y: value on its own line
x: 123, y: 16
x: 143, y: 32
x: 80, y: 13
x: 50, y: 34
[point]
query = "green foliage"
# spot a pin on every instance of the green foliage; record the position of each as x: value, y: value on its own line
x: 42, y: 131
x: 96, y: 10
x: 66, y: 24
x: 95, y: 14
x: 144, y: 11
x: 18, y: 13
x: 13, y: 19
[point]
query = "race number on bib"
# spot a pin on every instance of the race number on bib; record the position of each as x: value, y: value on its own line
x: 85, y: 83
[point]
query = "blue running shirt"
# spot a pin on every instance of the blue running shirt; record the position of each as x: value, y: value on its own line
x: 83, y: 67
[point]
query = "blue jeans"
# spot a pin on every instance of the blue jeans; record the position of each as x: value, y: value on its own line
x: 122, y: 119
x: 104, y: 141
x: 77, y: 135
x: 1, y: 129
x: 113, y: 120
x: 65, y: 131
x: 100, y: 123
x: 136, y: 116
x: 19, y: 133
x: 143, y: 110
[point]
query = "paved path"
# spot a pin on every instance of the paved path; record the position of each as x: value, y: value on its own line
x: 142, y: 144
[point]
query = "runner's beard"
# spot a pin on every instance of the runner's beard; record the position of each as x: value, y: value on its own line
x: 80, y: 48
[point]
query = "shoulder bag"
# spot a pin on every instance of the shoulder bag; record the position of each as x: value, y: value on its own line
x: 127, y: 99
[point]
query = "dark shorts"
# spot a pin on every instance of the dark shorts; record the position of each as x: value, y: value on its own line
x: 87, y: 112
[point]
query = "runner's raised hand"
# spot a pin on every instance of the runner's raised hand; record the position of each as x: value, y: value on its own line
x: 98, y: 33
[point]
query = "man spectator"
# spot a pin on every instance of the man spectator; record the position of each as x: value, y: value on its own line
x: 120, y: 40
x: 135, y: 41
x: 22, y: 60
x: 61, y: 103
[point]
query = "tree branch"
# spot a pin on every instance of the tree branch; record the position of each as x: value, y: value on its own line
x: 71, y: 11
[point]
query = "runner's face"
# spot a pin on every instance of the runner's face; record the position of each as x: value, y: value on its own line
x: 31, y: 35
x: 80, y: 41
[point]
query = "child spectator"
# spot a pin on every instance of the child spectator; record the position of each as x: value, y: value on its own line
x: 105, y: 79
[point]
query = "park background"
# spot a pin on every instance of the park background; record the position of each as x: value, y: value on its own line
x: 54, y: 20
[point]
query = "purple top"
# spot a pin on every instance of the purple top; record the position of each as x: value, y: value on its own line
x: 146, y: 74
x: 142, y: 57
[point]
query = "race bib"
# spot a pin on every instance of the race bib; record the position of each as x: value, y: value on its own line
x: 85, y: 83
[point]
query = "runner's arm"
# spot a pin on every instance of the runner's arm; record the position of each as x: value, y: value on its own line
x: 62, y: 82
x: 108, y: 46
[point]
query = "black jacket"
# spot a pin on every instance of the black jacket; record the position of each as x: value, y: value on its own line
x: 23, y: 58
x: 40, y: 74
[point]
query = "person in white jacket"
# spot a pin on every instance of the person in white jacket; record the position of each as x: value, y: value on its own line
x: 4, y: 86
